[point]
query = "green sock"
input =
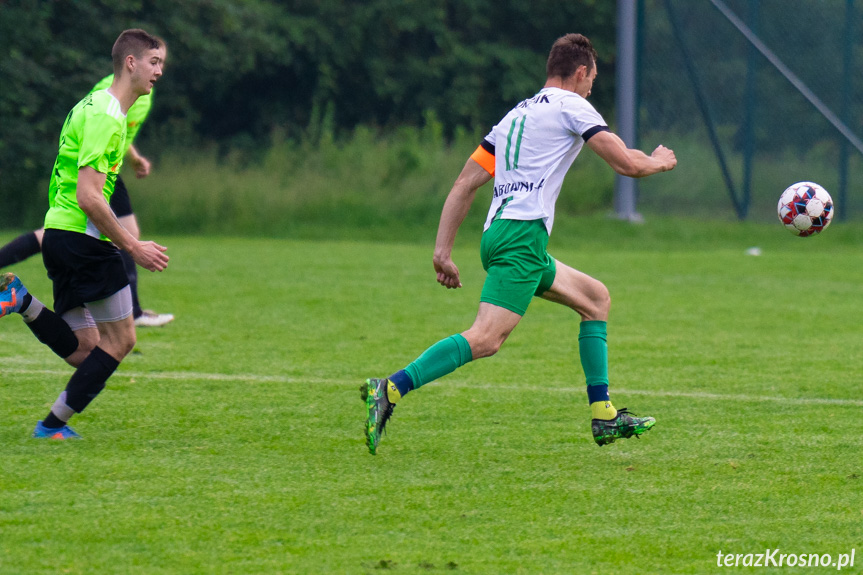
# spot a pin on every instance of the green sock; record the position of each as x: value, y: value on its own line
x: 442, y: 358
x: 593, y: 349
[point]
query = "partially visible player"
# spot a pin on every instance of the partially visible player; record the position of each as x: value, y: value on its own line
x: 528, y: 153
x: 30, y: 244
x: 92, y: 326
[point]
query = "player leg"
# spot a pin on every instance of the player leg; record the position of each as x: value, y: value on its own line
x: 116, y: 337
x: 91, y: 293
x: 492, y: 326
x: 48, y: 327
x: 21, y: 248
x: 121, y: 204
x: 590, y: 299
x: 513, y: 254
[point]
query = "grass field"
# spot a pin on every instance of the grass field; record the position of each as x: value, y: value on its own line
x: 231, y: 442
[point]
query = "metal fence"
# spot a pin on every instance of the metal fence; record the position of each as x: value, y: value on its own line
x: 753, y: 95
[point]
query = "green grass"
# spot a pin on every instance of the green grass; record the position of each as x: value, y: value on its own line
x: 231, y: 443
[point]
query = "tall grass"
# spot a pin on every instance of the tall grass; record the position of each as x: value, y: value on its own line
x: 394, y: 183
x: 389, y: 182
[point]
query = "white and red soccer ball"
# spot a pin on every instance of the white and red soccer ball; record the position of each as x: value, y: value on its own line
x: 805, y: 208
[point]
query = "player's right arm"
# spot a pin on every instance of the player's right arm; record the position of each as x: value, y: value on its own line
x: 140, y: 164
x: 148, y: 255
x: 457, y: 204
x: 627, y: 161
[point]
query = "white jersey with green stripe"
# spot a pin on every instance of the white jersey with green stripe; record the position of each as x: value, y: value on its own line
x: 534, y: 146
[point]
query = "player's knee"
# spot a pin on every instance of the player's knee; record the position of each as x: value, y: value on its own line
x: 87, y: 342
x: 85, y: 346
x: 120, y: 345
x: 486, y: 346
x: 597, y: 304
x: 128, y: 343
x: 603, y: 299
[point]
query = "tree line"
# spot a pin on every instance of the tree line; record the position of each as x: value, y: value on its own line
x: 238, y: 71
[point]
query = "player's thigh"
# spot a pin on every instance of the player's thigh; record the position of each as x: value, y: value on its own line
x: 513, y: 253
x: 577, y: 290
x: 113, y: 317
x: 82, y: 268
x: 82, y: 324
x: 120, y: 333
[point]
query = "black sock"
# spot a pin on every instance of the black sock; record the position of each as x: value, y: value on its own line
x: 19, y: 249
x: 89, y: 379
x: 132, y: 275
x: 25, y: 303
x: 53, y: 422
x: 50, y: 329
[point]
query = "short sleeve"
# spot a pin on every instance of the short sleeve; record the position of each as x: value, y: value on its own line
x: 582, y: 118
x: 101, y: 138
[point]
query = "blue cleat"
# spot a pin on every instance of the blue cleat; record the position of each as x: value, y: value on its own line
x: 64, y: 432
x: 12, y: 293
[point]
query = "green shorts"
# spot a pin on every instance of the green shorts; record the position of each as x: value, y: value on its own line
x: 514, y: 255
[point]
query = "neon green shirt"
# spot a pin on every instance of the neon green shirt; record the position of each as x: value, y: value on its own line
x: 135, y: 116
x: 94, y: 135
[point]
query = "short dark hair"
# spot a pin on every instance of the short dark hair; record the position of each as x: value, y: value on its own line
x: 134, y: 42
x: 567, y: 54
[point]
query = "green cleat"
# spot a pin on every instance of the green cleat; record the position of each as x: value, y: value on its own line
x: 378, y: 410
x: 625, y: 425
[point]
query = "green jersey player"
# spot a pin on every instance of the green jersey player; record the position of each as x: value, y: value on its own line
x: 528, y: 153
x: 91, y: 326
x: 29, y: 244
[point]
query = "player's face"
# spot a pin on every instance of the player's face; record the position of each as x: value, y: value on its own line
x: 147, y: 70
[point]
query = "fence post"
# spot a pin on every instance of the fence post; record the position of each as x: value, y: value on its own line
x: 845, y: 113
x: 626, y: 189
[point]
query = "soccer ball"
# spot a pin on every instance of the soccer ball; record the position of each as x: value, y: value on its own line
x: 805, y: 208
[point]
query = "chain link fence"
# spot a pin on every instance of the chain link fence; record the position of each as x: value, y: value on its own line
x: 753, y: 95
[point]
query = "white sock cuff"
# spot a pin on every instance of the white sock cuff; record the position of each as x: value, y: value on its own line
x: 62, y: 411
x: 33, y: 310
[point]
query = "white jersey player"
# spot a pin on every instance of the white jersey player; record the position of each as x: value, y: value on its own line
x: 528, y: 153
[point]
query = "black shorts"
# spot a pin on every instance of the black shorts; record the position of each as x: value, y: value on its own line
x: 82, y: 268
x: 120, y: 202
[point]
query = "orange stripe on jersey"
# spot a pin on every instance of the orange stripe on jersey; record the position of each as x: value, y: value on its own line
x: 485, y: 159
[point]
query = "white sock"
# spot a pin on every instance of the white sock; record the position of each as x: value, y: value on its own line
x: 33, y: 310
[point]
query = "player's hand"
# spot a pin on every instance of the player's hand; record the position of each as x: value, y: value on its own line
x: 151, y: 256
x: 447, y: 273
x: 142, y: 167
x: 665, y: 156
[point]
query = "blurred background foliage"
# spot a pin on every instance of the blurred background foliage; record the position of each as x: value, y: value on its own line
x: 241, y: 73
x: 275, y: 116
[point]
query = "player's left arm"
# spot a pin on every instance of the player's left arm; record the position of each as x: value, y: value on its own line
x: 627, y: 161
x: 139, y: 163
